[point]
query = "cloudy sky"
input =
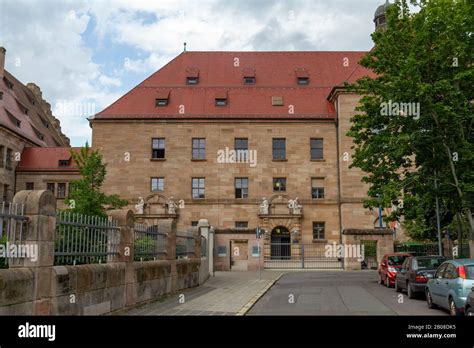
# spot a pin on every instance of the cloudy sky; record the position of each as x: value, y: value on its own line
x: 85, y: 54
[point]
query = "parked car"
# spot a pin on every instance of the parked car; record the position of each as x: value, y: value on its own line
x: 469, y: 306
x: 389, y: 266
x: 451, y: 285
x: 415, y: 273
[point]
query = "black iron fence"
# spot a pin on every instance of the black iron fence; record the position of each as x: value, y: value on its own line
x: 149, y: 243
x: 12, y: 228
x: 294, y: 256
x: 421, y: 249
x: 184, y: 245
x: 84, y: 239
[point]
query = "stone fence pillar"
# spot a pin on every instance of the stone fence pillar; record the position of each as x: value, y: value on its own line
x: 168, y: 226
x: 38, y: 238
x: 197, y: 241
x: 125, y: 242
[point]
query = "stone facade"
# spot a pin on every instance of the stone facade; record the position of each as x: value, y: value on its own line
x: 41, y: 179
x: 12, y: 145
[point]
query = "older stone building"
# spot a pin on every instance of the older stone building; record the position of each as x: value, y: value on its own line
x: 245, y: 140
x: 25, y: 121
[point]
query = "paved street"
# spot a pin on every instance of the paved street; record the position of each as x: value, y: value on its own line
x: 225, y: 294
x: 336, y: 293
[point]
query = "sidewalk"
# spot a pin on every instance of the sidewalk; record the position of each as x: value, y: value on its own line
x: 228, y: 293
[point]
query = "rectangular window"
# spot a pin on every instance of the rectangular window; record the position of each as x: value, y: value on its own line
x: 199, y: 148
x: 318, y: 230
x: 5, y: 193
x: 192, y: 80
x: 61, y: 190
x: 316, y: 149
x: 157, y: 184
x: 221, y: 251
x: 194, y: 223
x: 161, y: 102
x: 241, y: 187
x: 303, y: 81
x: 241, y: 224
x: 249, y: 80
x: 317, y: 188
x: 279, y: 148
x: 8, y: 159
x: 63, y: 163
x: 30, y: 186
x: 158, y: 148
x: 2, y: 156
x: 50, y: 187
x: 221, y: 102
x: 279, y: 184
x: 198, y: 188
x: 241, y: 144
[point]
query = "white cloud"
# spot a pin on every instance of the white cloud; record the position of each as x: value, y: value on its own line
x: 46, y: 39
x: 110, y: 81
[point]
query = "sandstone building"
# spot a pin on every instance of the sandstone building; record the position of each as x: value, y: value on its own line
x: 246, y: 140
x: 30, y: 139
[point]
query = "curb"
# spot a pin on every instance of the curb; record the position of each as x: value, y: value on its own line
x: 254, y: 299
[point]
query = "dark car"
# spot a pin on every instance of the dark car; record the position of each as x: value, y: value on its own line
x: 415, y: 273
x: 469, y: 306
x: 389, y: 267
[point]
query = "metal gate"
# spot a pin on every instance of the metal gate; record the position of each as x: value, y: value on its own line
x: 297, y: 256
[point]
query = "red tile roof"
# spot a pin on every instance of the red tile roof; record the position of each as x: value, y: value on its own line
x: 46, y: 159
x: 18, y: 99
x: 275, y: 74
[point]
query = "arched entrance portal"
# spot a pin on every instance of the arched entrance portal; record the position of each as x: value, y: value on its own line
x: 280, y: 243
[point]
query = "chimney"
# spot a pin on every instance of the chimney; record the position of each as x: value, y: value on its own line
x: 2, y: 62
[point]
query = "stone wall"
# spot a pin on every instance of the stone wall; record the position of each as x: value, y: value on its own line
x: 37, y: 287
x: 383, y: 238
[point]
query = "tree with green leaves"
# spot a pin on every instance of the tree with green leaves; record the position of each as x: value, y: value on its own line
x: 85, y: 196
x: 414, y: 128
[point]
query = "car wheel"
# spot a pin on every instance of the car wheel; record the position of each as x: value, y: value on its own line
x: 410, y: 292
x: 429, y: 300
x: 397, y: 287
x: 452, y: 308
x: 470, y: 312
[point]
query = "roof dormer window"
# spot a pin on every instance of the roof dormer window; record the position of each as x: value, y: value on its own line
x: 248, y: 75
x: 192, y: 76
x: 302, y: 81
x: 221, y: 98
x: 302, y: 76
x: 16, y: 121
x: 162, y: 98
x: 63, y: 163
x: 8, y: 83
x: 23, y: 108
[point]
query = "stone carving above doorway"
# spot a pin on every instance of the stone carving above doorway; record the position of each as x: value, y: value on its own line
x: 158, y: 204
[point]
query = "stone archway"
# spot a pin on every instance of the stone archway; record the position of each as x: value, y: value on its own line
x: 280, y: 243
